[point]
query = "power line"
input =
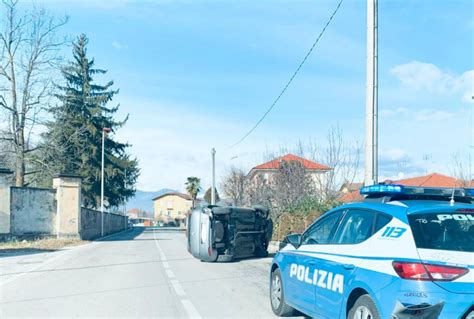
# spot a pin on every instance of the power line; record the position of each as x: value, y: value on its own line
x: 291, y: 78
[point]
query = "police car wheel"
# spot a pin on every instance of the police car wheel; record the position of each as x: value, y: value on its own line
x: 364, y: 308
x: 277, y: 297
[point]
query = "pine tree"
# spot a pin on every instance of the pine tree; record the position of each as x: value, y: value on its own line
x: 74, y: 136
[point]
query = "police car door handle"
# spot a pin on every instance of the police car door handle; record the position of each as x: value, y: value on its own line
x: 312, y: 262
x: 348, y: 266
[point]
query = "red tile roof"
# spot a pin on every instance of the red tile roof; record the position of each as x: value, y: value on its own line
x: 184, y: 196
x: 431, y: 180
x: 276, y: 163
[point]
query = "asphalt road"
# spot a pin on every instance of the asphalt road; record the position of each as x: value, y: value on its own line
x: 138, y: 273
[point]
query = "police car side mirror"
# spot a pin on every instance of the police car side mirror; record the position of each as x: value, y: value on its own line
x: 293, y: 239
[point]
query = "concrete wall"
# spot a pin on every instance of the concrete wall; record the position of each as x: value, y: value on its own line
x: 28, y: 211
x: 91, y: 223
x: 33, y: 211
x: 68, y: 197
x: 4, y: 209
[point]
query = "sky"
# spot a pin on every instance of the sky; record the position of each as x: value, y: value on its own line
x: 198, y: 74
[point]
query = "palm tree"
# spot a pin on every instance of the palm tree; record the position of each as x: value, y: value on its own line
x: 193, y: 187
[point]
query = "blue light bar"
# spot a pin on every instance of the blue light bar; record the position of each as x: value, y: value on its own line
x: 384, y: 189
x: 381, y: 189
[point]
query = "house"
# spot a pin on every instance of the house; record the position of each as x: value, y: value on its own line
x: 171, y: 206
x: 350, y: 187
x: 430, y: 180
x: 267, y: 171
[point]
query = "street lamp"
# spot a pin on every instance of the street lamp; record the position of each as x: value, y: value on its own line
x: 105, y: 130
x: 213, y: 189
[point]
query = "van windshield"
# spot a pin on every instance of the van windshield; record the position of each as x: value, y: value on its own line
x: 444, y: 231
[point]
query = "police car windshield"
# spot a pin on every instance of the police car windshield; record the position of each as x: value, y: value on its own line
x: 444, y: 231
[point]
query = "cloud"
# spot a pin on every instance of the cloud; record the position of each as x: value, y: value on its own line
x: 425, y: 114
x: 388, y: 113
x: 119, y: 45
x: 428, y: 77
x: 397, y: 163
x: 173, y: 141
x: 433, y: 115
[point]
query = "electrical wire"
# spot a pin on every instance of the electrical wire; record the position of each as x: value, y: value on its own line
x: 291, y: 78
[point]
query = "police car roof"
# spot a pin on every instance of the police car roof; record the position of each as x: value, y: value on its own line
x: 424, y: 206
x: 400, y: 209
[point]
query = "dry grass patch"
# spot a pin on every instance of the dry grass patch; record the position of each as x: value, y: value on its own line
x: 47, y: 244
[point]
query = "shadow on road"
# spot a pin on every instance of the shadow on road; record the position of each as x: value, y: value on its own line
x: 129, y: 234
x: 222, y: 259
x: 163, y: 229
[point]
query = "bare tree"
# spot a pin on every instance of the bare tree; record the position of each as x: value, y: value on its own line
x: 462, y: 169
x: 291, y: 184
x: 29, y: 53
x: 343, y: 159
x: 258, y: 191
x: 234, y: 185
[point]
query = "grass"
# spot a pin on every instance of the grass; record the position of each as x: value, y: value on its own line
x: 46, y: 244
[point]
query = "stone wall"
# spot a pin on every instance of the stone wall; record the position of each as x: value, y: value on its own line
x: 91, y: 223
x: 32, y: 211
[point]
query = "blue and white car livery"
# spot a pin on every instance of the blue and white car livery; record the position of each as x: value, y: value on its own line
x: 405, y: 252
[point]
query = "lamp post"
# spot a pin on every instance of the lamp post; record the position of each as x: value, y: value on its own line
x: 105, y: 130
x: 213, y: 189
x: 371, y: 108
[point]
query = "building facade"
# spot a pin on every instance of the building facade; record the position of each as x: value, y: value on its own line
x: 171, y: 206
x: 268, y: 171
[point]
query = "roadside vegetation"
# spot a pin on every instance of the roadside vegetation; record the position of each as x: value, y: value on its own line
x: 295, y: 197
x: 44, y: 244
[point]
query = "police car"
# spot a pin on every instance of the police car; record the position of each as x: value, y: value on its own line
x: 405, y: 252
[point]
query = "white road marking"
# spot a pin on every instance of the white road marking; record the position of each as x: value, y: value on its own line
x: 187, y: 304
x: 190, y: 309
x: 170, y: 273
x: 178, y: 288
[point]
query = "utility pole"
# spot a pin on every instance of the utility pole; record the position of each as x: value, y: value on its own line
x: 213, y: 188
x: 371, y: 106
x: 104, y: 132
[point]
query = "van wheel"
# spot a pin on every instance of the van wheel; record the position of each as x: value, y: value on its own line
x: 364, y: 308
x: 277, y: 297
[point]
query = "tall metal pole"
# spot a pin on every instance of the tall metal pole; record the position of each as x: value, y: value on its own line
x: 213, y: 188
x: 102, y: 186
x: 371, y: 106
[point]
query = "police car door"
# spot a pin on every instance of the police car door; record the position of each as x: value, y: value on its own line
x: 304, y: 271
x: 355, y: 227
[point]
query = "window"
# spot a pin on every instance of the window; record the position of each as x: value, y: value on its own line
x: 321, y: 231
x: 356, y: 227
x: 444, y: 230
x: 382, y: 220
